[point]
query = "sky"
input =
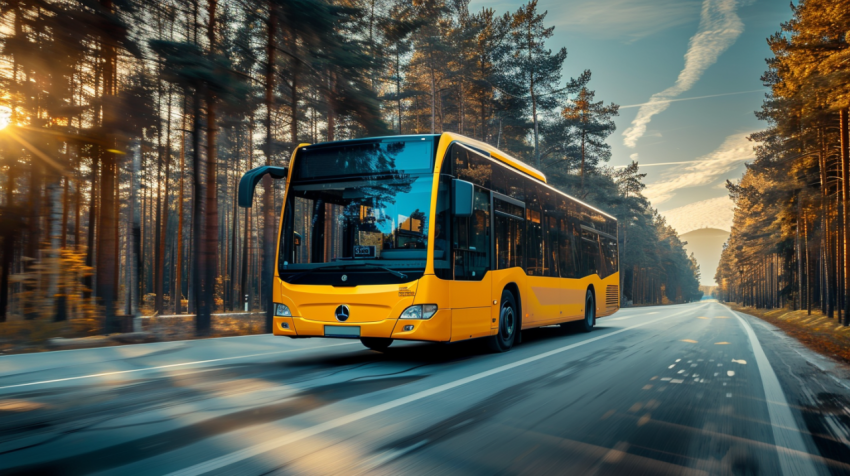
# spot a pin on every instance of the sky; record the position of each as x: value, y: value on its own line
x: 686, y: 76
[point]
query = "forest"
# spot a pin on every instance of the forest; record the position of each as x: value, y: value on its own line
x: 128, y: 125
x: 788, y: 246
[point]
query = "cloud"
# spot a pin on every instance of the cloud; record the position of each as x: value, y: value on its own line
x: 691, y: 99
x: 659, y: 164
x: 634, y: 157
x: 719, y: 27
x: 626, y: 19
x: 703, y: 171
x: 712, y: 213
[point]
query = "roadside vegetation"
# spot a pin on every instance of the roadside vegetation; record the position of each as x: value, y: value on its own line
x: 789, y: 243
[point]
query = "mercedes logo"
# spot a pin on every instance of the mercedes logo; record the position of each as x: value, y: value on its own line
x: 344, y: 278
x: 342, y: 313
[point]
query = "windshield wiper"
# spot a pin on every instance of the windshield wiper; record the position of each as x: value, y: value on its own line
x: 395, y: 273
x: 300, y: 275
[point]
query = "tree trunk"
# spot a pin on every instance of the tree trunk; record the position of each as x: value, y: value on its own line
x: 845, y: 190
x: 36, y: 178
x: 8, y: 242
x: 583, y: 139
x: 267, y: 276
x: 63, y: 233
x: 90, y: 234
x: 398, y: 86
x: 106, y: 242
x: 78, y: 193
x: 433, y: 91
x: 208, y: 244
x: 178, y: 272
x: 104, y: 272
x: 133, y: 235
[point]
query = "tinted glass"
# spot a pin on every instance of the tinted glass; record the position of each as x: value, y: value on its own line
x: 381, y: 222
x: 568, y: 250
x: 590, y: 253
x: 471, y: 166
x: 410, y: 155
x: 443, y: 231
x: 535, y: 250
x: 509, y: 241
x: 611, y: 258
x: 552, y: 239
x: 472, y: 239
x: 509, y: 208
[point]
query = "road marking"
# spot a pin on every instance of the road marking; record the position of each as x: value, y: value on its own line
x: 629, y: 317
x: 786, y: 433
x: 119, y: 372
x: 299, y: 435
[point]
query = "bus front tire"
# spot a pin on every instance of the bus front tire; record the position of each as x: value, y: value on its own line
x: 376, y: 343
x: 508, y: 324
x: 586, y: 324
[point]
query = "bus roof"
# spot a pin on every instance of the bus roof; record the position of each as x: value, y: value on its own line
x: 516, y: 164
x: 498, y: 154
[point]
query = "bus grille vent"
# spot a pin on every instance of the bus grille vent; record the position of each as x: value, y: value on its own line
x: 612, y: 296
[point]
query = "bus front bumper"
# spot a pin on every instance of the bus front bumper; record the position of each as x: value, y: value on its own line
x: 436, y: 329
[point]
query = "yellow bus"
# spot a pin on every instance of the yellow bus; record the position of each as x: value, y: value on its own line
x: 436, y: 238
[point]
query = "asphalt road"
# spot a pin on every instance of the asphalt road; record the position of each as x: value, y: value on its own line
x: 686, y: 389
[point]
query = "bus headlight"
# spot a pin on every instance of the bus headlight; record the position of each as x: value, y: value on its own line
x: 282, y: 310
x: 419, y: 311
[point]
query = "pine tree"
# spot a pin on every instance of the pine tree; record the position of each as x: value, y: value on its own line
x: 534, y: 71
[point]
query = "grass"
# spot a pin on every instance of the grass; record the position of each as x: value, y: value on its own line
x: 816, y: 331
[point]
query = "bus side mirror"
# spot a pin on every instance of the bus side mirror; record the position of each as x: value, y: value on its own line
x: 462, y: 192
x: 252, y: 178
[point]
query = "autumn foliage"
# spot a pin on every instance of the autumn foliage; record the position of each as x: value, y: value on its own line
x: 789, y: 242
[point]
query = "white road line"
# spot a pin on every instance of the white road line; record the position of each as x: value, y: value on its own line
x: 299, y: 435
x: 629, y: 317
x: 786, y: 433
x: 119, y: 372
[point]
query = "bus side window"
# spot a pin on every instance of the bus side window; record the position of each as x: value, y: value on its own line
x: 590, y: 250
x: 509, y: 241
x: 552, y: 248
x: 534, y: 250
x: 472, y: 239
x: 442, y: 230
x: 614, y: 255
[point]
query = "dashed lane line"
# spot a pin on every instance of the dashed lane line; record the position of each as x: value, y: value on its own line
x: 629, y: 317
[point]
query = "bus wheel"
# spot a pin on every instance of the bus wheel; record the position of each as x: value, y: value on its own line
x: 508, y: 325
x: 586, y: 324
x: 376, y: 343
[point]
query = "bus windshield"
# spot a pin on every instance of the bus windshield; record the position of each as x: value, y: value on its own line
x: 388, y: 156
x: 382, y: 221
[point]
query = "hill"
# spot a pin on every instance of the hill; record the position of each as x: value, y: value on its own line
x: 712, y: 213
x: 706, y: 245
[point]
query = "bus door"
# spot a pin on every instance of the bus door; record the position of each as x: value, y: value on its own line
x: 471, y: 288
x: 539, y: 266
x: 509, y: 248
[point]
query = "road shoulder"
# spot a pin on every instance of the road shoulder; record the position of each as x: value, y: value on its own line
x: 817, y: 388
